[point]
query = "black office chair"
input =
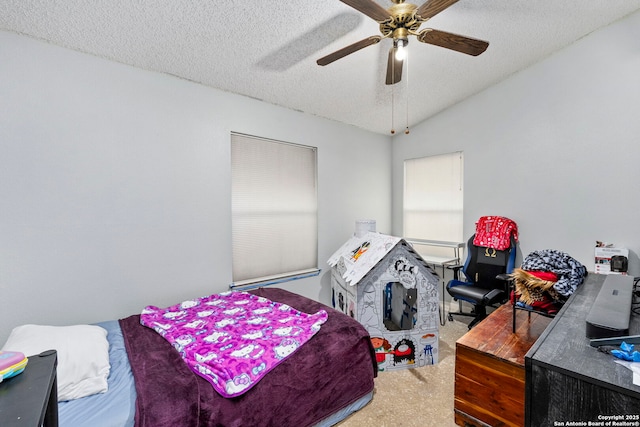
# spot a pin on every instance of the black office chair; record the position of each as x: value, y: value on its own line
x: 487, y: 279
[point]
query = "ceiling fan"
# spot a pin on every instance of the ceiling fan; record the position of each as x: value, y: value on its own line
x: 399, y: 22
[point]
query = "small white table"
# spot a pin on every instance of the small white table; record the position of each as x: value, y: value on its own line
x: 439, y: 261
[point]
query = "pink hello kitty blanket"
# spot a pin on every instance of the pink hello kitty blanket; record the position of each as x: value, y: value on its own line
x: 233, y: 339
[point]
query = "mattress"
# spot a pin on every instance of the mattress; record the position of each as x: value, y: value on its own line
x: 321, y: 384
x: 114, y: 408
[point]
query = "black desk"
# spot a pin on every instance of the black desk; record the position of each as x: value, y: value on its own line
x: 30, y: 399
x: 567, y: 380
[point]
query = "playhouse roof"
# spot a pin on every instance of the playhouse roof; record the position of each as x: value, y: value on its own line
x: 361, y: 254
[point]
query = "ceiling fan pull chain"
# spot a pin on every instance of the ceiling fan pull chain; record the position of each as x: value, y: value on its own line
x: 393, y: 130
x: 406, y: 130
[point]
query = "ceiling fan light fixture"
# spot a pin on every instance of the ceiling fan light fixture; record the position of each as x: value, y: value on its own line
x: 401, y: 21
x: 400, y: 47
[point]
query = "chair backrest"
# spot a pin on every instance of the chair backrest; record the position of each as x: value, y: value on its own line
x: 484, y: 264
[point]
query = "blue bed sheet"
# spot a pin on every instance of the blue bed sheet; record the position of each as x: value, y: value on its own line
x: 116, y: 407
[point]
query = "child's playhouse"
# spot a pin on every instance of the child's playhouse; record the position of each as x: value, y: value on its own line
x: 382, y: 282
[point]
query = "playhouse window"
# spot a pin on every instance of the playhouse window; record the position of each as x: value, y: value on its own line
x: 400, y: 308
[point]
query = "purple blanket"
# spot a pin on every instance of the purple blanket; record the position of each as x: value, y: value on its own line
x: 233, y: 339
x: 333, y: 369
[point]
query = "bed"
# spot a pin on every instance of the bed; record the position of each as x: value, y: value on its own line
x: 149, y: 385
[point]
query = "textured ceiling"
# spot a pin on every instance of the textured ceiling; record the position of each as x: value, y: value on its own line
x: 267, y: 49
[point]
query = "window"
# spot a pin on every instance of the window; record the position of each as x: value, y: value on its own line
x: 433, y: 199
x: 274, y: 210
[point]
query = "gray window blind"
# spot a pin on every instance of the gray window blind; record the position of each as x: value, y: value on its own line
x: 274, y: 209
x: 433, y: 198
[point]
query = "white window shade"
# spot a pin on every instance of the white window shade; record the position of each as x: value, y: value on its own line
x: 274, y: 209
x: 433, y: 198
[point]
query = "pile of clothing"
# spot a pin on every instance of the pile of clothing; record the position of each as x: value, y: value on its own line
x: 546, y: 279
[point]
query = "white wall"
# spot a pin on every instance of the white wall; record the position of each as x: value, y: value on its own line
x: 555, y: 147
x: 114, y: 182
x: 115, y: 185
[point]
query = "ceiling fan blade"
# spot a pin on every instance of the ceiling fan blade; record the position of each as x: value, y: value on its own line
x: 432, y: 7
x: 453, y: 41
x: 394, y: 68
x: 370, y: 8
x: 341, y: 53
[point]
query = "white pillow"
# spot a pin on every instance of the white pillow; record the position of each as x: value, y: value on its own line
x: 83, y: 355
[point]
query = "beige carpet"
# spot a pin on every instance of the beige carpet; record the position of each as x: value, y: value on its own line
x: 420, y: 397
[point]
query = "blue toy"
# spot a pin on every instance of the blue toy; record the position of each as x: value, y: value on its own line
x: 12, y: 363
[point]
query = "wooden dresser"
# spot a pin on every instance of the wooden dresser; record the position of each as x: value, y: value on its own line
x: 490, y: 369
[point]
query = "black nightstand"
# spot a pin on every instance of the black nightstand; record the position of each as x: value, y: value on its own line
x: 30, y: 399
